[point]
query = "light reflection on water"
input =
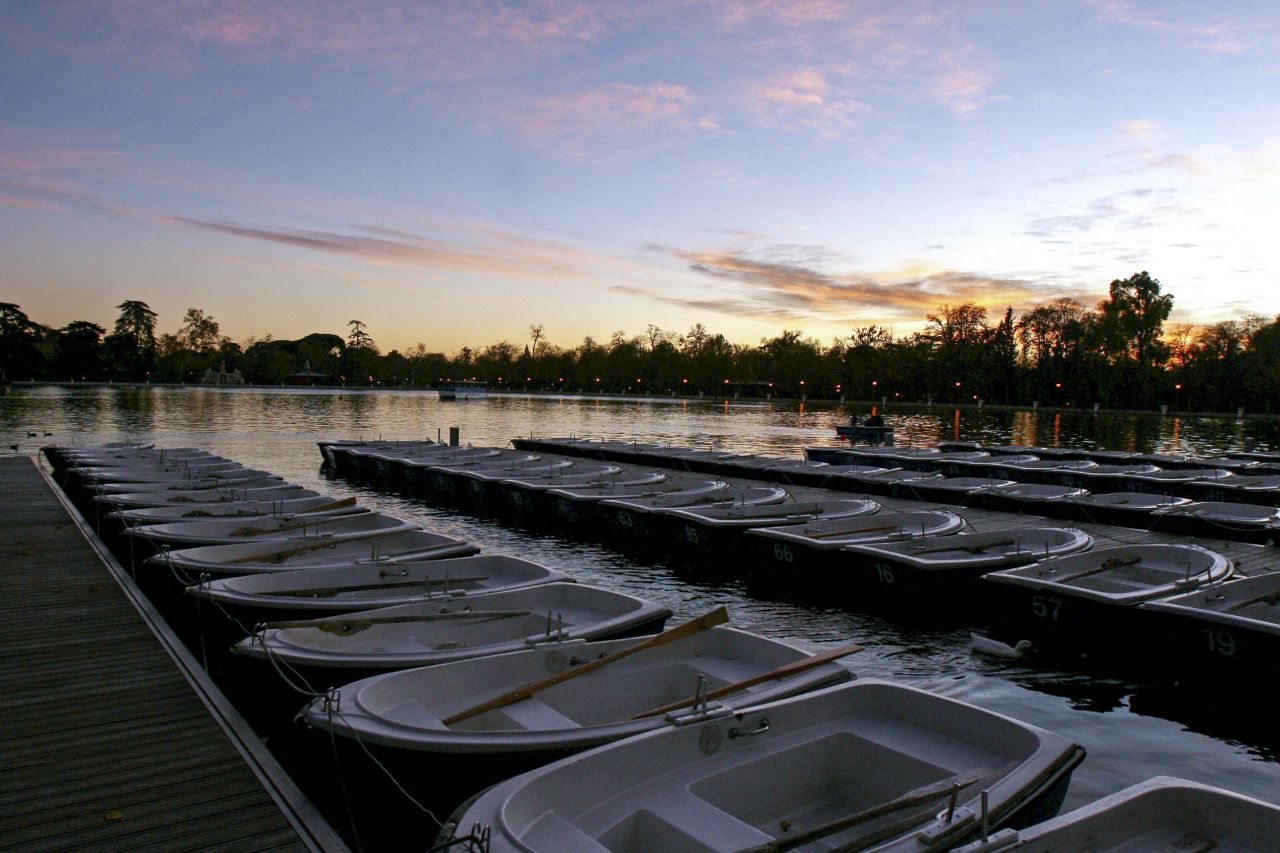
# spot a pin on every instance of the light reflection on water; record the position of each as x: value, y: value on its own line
x: 1132, y: 731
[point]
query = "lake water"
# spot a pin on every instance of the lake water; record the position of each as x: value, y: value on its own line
x: 1131, y: 730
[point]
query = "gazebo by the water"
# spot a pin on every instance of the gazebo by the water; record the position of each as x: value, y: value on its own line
x: 306, y: 376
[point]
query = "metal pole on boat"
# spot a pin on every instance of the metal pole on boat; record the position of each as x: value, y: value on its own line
x: 986, y: 826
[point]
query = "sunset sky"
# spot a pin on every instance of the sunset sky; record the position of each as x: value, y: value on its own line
x: 450, y: 173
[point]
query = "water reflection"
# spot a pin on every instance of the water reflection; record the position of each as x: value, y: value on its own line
x: 775, y: 427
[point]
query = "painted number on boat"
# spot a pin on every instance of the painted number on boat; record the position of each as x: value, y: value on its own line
x: 1220, y: 642
x: 782, y: 552
x: 884, y: 573
x: 1045, y: 606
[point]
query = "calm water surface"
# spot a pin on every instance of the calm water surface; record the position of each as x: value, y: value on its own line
x: 1132, y: 731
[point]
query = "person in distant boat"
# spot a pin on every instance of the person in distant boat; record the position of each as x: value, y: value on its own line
x: 853, y: 420
x: 875, y: 421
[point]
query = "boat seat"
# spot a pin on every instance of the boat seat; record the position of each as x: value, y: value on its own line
x: 532, y: 714
x: 552, y: 832
x: 682, y: 821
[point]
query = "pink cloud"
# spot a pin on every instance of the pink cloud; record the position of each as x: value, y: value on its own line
x: 36, y: 205
x: 447, y: 40
x: 794, y: 13
x: 1214, y: 33
x: 797, y: 291
x: 522, y: 262
x: 50, y: 178
x: 804, y: 98
x: 962, y: 80
x: 613, y: 111
x: 1138, y: 129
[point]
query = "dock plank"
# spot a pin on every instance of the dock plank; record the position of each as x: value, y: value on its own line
x: 111, y: 742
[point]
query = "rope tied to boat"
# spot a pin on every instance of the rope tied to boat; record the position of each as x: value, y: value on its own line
x: 204, y: 651
x: 178, y: 573
x: 331, y: 703
x: 302, y: 686
x: 476, y: 841
x: 206, y: 587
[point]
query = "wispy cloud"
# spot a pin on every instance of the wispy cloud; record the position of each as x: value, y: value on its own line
x: 804, y: 98
x: 963, y: 80
x: 1220, y: 163
x: 1131, y: 210
x: 1138, y: 130
x: 790, y: 13
x: 801, y: 292
x: 1202, y: 28
x: 580, y: 121
x: 36, y: 205
x: 446, y: 40
x: 40, y: 175
x: 407, y: 250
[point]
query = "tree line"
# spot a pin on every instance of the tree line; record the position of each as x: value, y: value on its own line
x: 1119, y: 354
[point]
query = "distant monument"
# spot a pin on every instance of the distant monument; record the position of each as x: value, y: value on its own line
x: 222, y: 376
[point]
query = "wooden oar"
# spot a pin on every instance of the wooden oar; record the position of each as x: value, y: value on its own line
x: 784, y: 671
x: 972, y: 549
x: 915, y: 797
x: 329, y: 591
x: 347, y: 627
x: 281, y: 556
x: 709, y: 620
x: 1104, y: 566
x: 1271, y: 598
x: 339, y: 504
x: 833, y: 534
x: 249, y: 530
x: 311, y: 545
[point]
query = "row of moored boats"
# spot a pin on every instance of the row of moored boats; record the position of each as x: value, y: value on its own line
x: 1225, y: 497
x: 703, y: 737
x: 1040, y: 581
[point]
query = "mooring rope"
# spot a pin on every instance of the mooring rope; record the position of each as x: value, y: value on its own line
x: 259, y: 636
x: 332, y: 699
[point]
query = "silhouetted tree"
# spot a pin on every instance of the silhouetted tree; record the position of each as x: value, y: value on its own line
x: 79, y: 351
x: 131, y: 347
x: 20, y: 338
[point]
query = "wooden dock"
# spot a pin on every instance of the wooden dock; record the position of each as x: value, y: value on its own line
x: 114, y: 739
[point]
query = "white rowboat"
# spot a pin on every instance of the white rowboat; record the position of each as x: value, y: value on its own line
x: 861, y: 766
